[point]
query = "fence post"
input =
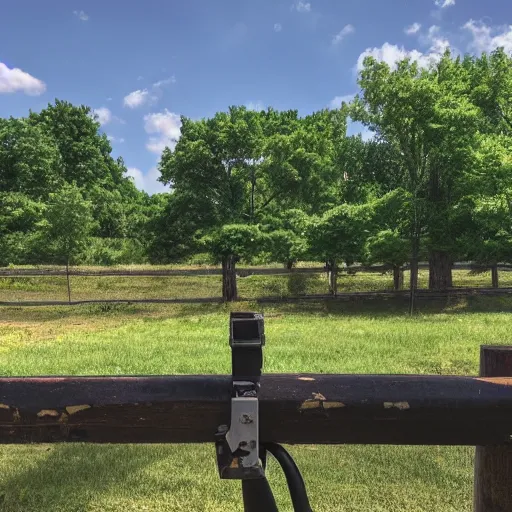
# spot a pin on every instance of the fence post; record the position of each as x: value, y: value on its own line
x: 494, y: 276
x: 493, y: 464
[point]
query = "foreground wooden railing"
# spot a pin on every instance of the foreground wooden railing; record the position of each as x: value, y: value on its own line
x: 296, y: 409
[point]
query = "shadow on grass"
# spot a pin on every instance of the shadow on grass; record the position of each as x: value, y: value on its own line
x: 67, y: 477
x: 376, y: 307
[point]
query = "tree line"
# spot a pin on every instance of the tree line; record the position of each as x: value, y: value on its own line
x: 433, y: 183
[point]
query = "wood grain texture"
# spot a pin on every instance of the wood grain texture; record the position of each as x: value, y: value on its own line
x: 493, y: 464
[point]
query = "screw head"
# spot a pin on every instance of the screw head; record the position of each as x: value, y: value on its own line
x: 246, y: 419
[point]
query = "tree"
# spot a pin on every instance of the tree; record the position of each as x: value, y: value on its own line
x: 228, y: 245
x: 490, y: 81
x: 240, y: 165
x: 286, y: 232
x: 67, y: 225
x: 427, y: 115
x: 340, y: 235
x: 488, y: 236
x: 390, y: 248
x: 19, y: 218
x: 84, y: 151
x: 29, y: 159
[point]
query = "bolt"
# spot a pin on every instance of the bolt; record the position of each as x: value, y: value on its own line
x: 246, y: 419
x: 252, y: 445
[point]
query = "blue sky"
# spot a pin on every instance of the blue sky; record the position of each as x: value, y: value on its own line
x: 142, y: 64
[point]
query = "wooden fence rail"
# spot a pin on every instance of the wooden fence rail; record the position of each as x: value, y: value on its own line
x: 245, y: 272
x: 296, y: 409
x: 242, y: 271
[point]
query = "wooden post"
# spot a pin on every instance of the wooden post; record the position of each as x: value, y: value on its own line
x: 494, y: 275
x: 67, y: 278
x: 229, y: 288
x: 333, y: 277
x: 493, y: 464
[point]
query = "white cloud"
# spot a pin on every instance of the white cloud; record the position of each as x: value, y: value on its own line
x: 109, y: 98
x: 278, y: 27
x: 82, y: 15
x: 148, y: 181
x: 301, y: 6
x: 487, y: 39
x: 258, y: 106
x: 338, y: 100
x: 16, y: 80
x: 167, y: 127
x: 391, y: 54
x: 345, y: 31
x: 137, y: 98
x: 146, y: 97
x: 103, y: 115
x: 167, y: 81
x: 444, y: 3
x: 413, y: 29
x: 140, y: 77
x: 111, y: 138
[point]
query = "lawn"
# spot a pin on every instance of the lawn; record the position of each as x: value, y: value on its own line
x: 170, y: 339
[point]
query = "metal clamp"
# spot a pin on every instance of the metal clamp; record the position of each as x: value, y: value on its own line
x: 237, y: 447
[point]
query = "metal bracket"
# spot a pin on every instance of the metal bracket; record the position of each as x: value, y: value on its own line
x: 238, y: 447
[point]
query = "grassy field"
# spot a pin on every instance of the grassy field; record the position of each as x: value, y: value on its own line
x: 170, y: 339
x: 172, y: 287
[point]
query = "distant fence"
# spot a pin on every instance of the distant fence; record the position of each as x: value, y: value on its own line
x: 243, y: 272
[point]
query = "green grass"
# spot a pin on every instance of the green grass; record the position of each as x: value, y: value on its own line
x: 373, y: 337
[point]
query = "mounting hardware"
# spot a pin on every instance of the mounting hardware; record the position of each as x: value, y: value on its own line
x: 237, y: 447
x: 239, y: 454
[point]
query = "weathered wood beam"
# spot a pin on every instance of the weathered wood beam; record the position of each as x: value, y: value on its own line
x: 301, y: 409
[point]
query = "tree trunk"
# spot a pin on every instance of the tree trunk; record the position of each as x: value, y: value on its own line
x: 253, y: 187
x: 413, y: 283
x: 440, y: 271
x: 289, y: 264
x: 229, y: 289
x: 398, y: 277
x: 495, y: 277
x: 67, y: 278
x: 333, y: 277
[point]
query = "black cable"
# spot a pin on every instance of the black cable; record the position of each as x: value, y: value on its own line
x: 258, y: 496
x: 294, y: 479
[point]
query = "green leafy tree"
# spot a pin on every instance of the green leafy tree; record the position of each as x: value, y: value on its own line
x: 287, y: 232
x: 488, y: 235
x: 428, y: 116
x: 84, y: 151
x: 339, y: 235
x: 239, y: 165
x: 67, y: 225
x: 228, y: 245
x: 490, y: 86
x: 19, y: 218
x: 29, y: 159
x: 390, y: 248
